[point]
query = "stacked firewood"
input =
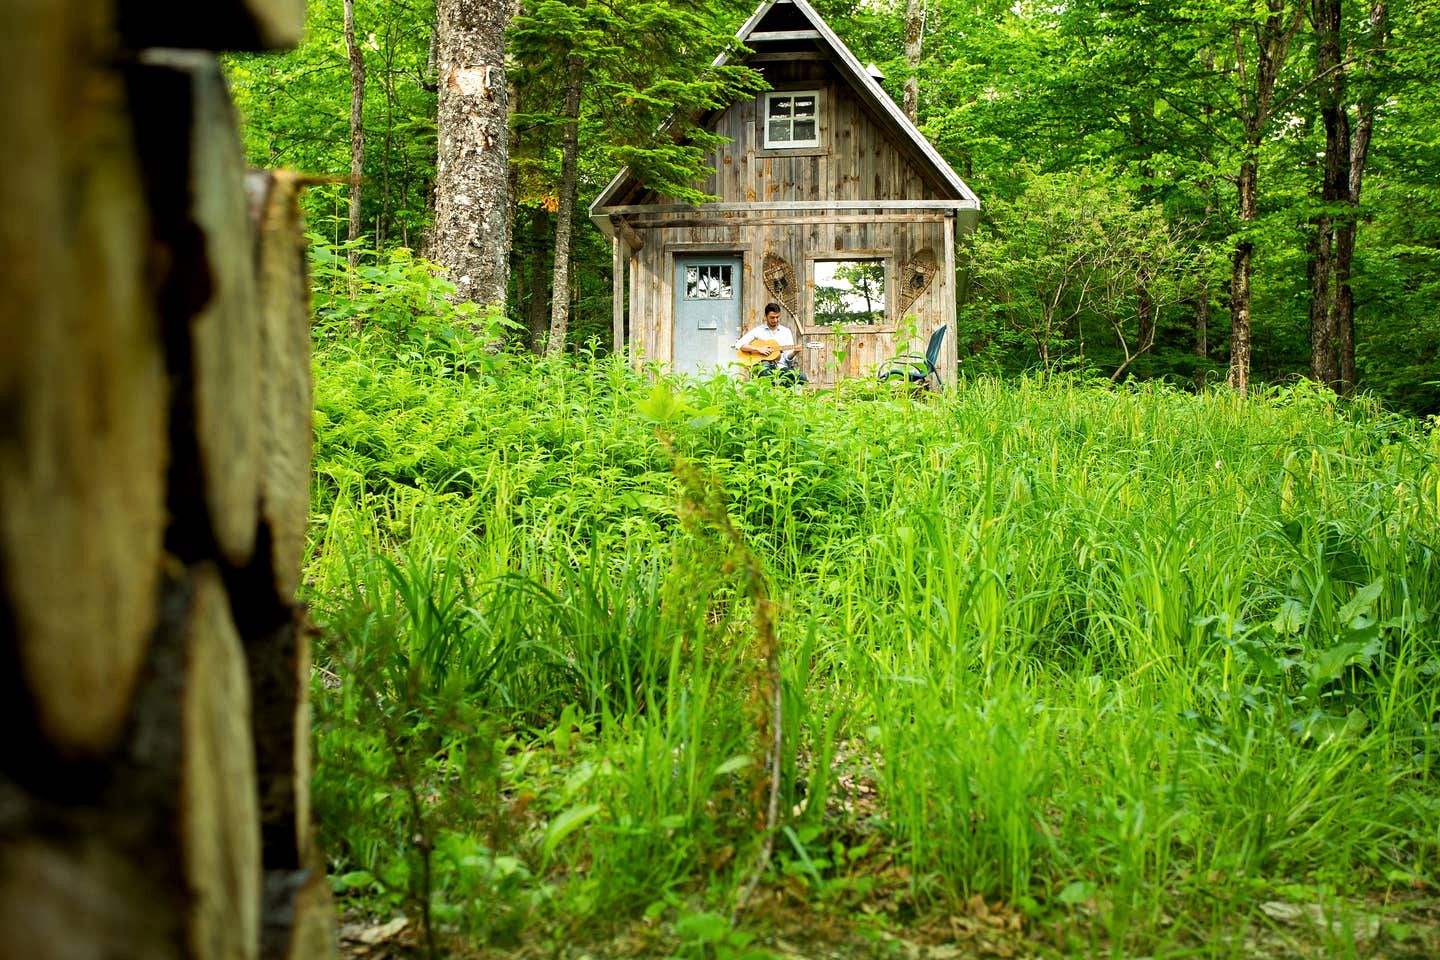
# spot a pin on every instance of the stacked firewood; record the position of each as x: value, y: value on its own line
x: 154, y: 465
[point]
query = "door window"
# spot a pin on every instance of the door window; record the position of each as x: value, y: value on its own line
x: 710, y: 281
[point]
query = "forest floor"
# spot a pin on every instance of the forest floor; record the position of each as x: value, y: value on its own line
x: 784, y: 927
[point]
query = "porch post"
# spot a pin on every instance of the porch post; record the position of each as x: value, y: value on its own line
x: 617, y: 286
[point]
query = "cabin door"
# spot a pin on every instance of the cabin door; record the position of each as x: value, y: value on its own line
x: 707, y: 312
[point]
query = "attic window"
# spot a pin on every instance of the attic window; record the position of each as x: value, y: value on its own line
x: 792, y: 119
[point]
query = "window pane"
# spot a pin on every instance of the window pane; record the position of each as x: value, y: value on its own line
x: 849, y: 292
x: 792, y: 119
x: 709, y: 282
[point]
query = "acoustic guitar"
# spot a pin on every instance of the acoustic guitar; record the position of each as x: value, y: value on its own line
x: 768, y: 350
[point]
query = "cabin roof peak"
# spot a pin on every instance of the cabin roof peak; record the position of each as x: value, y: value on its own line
x: 796, y: 20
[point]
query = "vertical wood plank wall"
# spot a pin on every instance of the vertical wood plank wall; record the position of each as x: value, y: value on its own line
x: 857, y: 160
x: 840, y: 353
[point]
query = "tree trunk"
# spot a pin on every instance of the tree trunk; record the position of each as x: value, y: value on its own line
x: 1202, y: 319
x: 1238, y: 376
x: 1272, y: 44
x: 1349, y: 224
x: 1144, y: 317
x: 472, y: 196
x: 914, y: 37
x: 565, y: 216
x: 1344, y: 305
x: 1330, y: 72
x: 357, y: 126
x: 537, y: 306
x: 155, y: 672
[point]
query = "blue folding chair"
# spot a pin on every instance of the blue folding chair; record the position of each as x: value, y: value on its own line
x: 915, y: 369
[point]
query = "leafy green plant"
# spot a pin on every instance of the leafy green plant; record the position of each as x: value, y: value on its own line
x: 408, y: 299
x: 1034, y: 637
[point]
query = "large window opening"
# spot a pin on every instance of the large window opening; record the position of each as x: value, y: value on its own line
x: 792, y: 119
x: 849, y: 292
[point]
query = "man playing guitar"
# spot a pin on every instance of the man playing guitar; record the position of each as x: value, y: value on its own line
x: 774, y: 347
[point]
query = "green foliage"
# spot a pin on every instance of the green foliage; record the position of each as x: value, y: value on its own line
x: 295, y: 108
x: 1063, y: 266
x: 647, y: 78
x: 1047, y: 642
x: 1141, y: 102
x: 407, y: 300
x: 1151, y: 95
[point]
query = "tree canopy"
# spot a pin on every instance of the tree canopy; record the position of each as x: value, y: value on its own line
x: 1204, y: 128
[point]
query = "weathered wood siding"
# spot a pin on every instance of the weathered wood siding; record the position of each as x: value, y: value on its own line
x: 841, y: 352
x: 857, y: 160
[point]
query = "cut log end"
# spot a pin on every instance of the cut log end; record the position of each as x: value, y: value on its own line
x: 220, y: 25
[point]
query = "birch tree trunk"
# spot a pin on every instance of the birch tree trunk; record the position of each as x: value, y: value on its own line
x: 565, y: 215
x: 472, y: 195
x: 1272, y: 44
x: 357, y: 125
x: 914, y: 37
x: 1241, y: 266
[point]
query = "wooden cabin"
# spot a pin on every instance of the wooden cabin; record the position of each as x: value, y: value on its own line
x: 830, y: 202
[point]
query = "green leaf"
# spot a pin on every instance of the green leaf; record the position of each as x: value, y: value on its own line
x: 566, y: 824
x: 1363, y: 603
x: 1077, y: 892
x: 734, y: 765
x: 702, y: 927
x: 354, y: 879
x: 1291, y: 618
x: 1328, y: 664
x: 1259, y: 657
x: 661, y: 406
x: 505, y: 867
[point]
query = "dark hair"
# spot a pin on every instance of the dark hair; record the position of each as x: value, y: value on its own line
x: 772, y: 308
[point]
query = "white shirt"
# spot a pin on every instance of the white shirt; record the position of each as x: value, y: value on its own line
x: 762, y: 331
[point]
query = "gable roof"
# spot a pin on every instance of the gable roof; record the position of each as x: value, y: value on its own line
x: 859, y: 78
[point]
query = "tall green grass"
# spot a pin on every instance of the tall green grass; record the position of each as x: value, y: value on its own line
x: 1095, y: 649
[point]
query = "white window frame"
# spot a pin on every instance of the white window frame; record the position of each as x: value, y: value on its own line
x: 811, y: 328
x: 789, y: 144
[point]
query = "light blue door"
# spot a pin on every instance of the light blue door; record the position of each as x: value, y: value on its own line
x: 707, y: 312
